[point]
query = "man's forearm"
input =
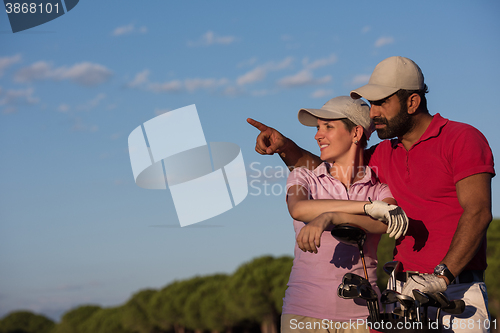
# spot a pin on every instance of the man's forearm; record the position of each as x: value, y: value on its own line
x: 294, y: 157
x: 467, y: 240
x: 474, y: 195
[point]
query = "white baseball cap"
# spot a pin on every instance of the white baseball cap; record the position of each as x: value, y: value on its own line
x: 341, y: 107
x: 389, y: 76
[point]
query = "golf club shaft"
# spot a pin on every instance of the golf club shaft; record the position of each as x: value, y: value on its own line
x: 362, y: 255
x: 370, y: 310
x: 393, y: 280
x: 364, y: 267
x: 417, y: 312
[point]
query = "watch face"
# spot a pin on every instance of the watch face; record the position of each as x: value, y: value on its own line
x: 439, y: 269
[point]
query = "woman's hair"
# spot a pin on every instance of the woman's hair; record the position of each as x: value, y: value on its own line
x: 349, y: 125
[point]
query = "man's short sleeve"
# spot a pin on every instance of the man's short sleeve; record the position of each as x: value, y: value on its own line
x: 470, y: 154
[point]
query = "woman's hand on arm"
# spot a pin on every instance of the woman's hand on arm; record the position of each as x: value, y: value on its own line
x: 309, y: 237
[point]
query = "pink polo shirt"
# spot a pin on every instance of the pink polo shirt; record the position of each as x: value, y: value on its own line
x: 312, y: 288
x: 423, y: 181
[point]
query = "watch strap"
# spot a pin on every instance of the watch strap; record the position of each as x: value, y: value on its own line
x: 446, y: 272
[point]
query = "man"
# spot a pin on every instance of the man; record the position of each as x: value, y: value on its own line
x: 439, y: 171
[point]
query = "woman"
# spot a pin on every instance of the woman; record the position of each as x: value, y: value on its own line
x: 340, y: 190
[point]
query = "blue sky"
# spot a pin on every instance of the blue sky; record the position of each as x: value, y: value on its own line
x: 75, y: 229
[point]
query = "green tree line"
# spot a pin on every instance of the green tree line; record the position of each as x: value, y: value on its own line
x: 247, y: 301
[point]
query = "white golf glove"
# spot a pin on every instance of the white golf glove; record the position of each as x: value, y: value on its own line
x: 427, y: 283
x: 392, y: 215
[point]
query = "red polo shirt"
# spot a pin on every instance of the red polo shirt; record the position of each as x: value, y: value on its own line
x: 423, y: 180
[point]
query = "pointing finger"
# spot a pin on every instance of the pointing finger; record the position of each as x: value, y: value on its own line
x: 258, y: 125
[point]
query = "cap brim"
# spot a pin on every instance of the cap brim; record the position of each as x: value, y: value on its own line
x: 373, y: 92
x: 309, y: 117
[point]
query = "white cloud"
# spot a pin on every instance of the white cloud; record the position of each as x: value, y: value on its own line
x: 302, y: 78
x: 38, y: 71
x: 259, y: 73
x: 63, y: 108
x: 96, y: 100
x: 86, y: 106
x: 285, y: 63
x: 190, y: 85
x: 17, y: 97
x: 322, y: 93
x: 6, y: 62
x: 11, y: 99
x: 306, y: 76
x: 286, y: 38
x: 128, y: 29
x: 139, y: 79
x: 262, y: 92
x: 366, y: 29
x: 248, y: 62
x: 85, y: 73
x: 320, y: 62
x: 232, y: 91
x: 360, y: 79
x: 210, y: 38
x: 384, y: 41
x: 91, y: 104
x: 256, y: 74
x: 197, y: 83
x: 171, y: 86
x: 9, y: 109
x: 80, y: 126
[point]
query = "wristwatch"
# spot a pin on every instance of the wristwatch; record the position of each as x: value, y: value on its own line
x: 442, y: 270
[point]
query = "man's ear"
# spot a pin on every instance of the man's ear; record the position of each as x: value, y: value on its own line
x: 413, y: 103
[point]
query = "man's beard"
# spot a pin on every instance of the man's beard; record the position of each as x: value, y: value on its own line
x: 398, y: 126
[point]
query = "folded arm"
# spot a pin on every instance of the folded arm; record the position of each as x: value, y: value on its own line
x: 318, y: 214
x: 303, y: 209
